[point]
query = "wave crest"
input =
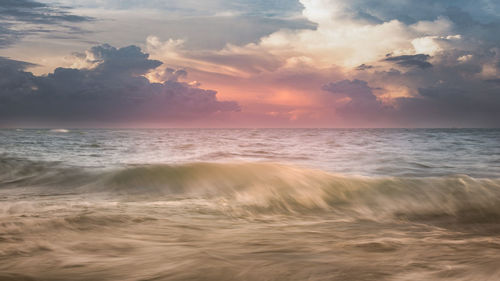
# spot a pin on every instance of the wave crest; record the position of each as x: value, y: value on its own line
x: 277, y: 188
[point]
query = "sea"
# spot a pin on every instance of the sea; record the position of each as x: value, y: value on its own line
x: 250, y: 204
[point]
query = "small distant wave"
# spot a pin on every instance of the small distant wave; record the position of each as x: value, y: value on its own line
x: 421, y: 165
x: 251, y: 154
x: 59, y: 131
x: 275, y: 188
x: 186, y: 146
x: 91, y: 145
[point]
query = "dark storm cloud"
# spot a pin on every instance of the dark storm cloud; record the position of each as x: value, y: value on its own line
x: 114, y: 91
x: 16, y: 65
x: 357, y: 90
x: 452, y: 106
x: 438, y: 103
x: 15, y: 15
x: 419, y: 60
x: 362, y: 106
x: 14, y: 79
x: 453, y: 92
x: 497, y: 81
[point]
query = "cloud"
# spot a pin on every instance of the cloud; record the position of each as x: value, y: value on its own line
x: 419, y: 60
x: 341, y: 38
x: 497, y: 81
x: 19, y: 18
x: 363, y: 66
x: 439, y: 64
x: 443, y: 68
x: 8, y: 64
x: 14, y: 81
x: 357, y: 90
x: 409, y: 11
x: 445, y: 106
x: 8, y: 35
x: 465, y: 104
x: 362, y: 107
x: 268, y: 8
x: 114, y: 91
x: 201, y: 24
x: 35, y: 12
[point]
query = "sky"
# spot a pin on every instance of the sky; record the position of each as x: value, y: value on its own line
x: 250, y: 63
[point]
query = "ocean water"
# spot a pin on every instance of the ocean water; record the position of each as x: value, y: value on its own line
x: 250, y: 204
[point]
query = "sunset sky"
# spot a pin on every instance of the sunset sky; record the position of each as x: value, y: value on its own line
x: 249, y: 63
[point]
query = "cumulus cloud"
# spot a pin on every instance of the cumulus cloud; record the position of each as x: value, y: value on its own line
x: 356, y: 90
x: 441, y: 105
x: 113, y: 91
x: 362, y: 104
x: 342, y: 37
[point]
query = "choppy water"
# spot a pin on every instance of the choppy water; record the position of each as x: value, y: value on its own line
x: 250, y: 204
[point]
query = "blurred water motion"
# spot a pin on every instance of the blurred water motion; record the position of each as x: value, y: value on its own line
x: 250, y: 205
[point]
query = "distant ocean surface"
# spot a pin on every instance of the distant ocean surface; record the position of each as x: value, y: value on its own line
x: 250, y: 204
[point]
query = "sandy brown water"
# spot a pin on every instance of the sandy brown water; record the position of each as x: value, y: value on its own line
x: 244, y: 210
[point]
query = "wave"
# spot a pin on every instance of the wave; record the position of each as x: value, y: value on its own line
x: 24, y: 173
x: 266, y: 188
x: 59, y: 131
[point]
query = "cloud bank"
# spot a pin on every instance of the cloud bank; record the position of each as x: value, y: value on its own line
x: 112, y: 90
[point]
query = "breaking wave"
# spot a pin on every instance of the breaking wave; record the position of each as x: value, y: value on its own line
x: 272, y: 188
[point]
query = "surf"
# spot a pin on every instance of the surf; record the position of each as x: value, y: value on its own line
x: 270, y: 188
